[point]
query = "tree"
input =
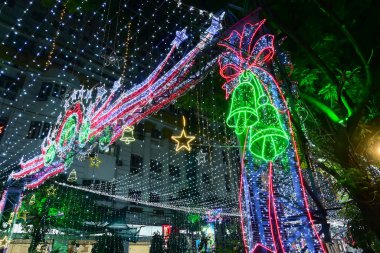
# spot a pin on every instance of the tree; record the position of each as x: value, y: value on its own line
x: 334, y: 63
x: 55, y: 207
x: 177, y: 243
x: 156, y: 245
x: 109, y: 243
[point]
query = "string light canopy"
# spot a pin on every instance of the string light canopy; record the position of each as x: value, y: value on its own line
x: 100, y: 119
x: 61, y: 53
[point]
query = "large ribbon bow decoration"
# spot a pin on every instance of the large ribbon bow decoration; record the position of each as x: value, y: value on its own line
x: 244, y: 52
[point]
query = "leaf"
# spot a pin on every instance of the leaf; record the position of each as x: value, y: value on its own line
x: 329, y: 93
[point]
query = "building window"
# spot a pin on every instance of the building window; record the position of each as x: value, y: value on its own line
x: 58, y: 91
x: 173, y: 171
x: 205, y: 178
x: 155, y: 166
x: 45, y: 130
x: 139, y: 130
x: 45, y: 91
x: 9, y: 87
x: 136, y: 209
x: 34, y: 129
x: 133, y: 194
x: 156, y: 134
x: 51, y: 89
x: 158, y: 212
x: 136, y: 164
x: 154, y: 197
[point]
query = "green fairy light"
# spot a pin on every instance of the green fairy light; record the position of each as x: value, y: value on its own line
x: 244, y: 101
x: 83, y: 133
x: 68, y: 131
x: 105, y: 139
x: 251, y: 111
x: 50, y: 155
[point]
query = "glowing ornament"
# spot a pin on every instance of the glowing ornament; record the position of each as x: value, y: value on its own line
x: 32, y: 200
x: 72, y: 176
x: 183, y: 140
x: 51, y: 191
x: 4, y: 242
x: 243, y: 106
x: 50, y: 155
x: 95, y: 162
x: 22, y: 215
x: 112, y: 60
x: 127, y: 137
x: 214, y: 215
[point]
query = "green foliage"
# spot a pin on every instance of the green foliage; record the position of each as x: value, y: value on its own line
x: 358, y: 234
x: 177, y: 243
x: 108, y: 243
x: 63, y: 209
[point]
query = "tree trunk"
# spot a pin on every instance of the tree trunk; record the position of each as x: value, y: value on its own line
x: 37, y: 237
x: 368, y: 201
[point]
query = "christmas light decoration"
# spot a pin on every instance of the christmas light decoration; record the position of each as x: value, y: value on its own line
x: 201, y: 157
x: 112, y: 60
x: 51, y: 191
x: 98, y: 120
x: 4, y: 242
x: 127, y: 137
x: 32, y: 200
x: 183, y: 140
x: 72, y: 176
x: 261, y: 119
x: 95, y: 161
x: 214, y: 216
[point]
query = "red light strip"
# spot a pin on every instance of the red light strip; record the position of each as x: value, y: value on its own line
x: 272, y: 207
x: 42, y: 179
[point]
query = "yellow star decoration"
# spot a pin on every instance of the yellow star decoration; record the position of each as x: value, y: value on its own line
x: 183, y: 140
x: 51, y: 191
x: 128, y: 135
x: 22, y: 215
x: 95, y: 162
x: 4, y: 242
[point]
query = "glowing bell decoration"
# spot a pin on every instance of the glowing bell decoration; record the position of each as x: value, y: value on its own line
x: 268, y: 140
x: 244, y: 103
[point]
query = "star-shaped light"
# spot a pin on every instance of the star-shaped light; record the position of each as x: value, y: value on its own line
x: 100, y: 91
x: 112, y: 60
x: 95, y: 162
x: 22, y: 215
x: 116, y: 85
x: 201, y: 157
x: 183, y: 141
x: 179, y: 38
x: 128, y: 135
x: 4, y: 242
x: 88, y: 95
x: 81, y: 93
x: 1, y: 129
x: 215, y: 24
x: 51, y: 191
